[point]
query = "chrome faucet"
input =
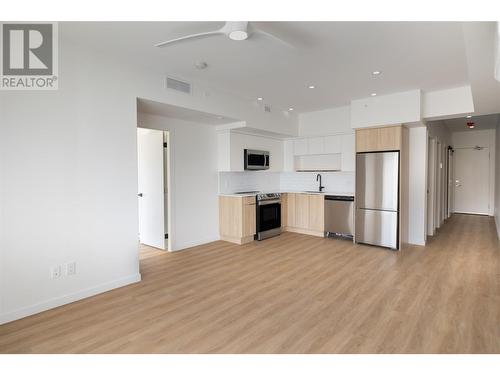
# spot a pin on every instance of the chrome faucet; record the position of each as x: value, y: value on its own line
x: 318, y: 177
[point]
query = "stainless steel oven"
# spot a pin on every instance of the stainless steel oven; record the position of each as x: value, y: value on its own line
x: 268, y: 215
x: 255, y: 160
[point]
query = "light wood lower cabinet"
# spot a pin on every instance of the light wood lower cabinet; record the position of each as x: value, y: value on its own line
x: 284, y: 210
x: 237, y: 219
x: 317, y: 213
x: 300, y: 212
x: 305, y: 213
x: 290, y: 210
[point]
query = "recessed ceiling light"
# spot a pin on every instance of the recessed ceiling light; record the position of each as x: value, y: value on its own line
x: 469, y: 116
x: 312, y: 86
x: 373, y: 94
x: 259, y: 99
x: 376, y: 72
x: 290, y: 109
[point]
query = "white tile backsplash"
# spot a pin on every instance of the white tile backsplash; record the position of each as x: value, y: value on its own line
x: 339, y: 182
x: 231, y: 182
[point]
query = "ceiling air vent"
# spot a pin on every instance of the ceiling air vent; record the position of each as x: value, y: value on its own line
x: 177, y: 85
x: 267, y: 108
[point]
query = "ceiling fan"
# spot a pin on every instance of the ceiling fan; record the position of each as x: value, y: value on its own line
x: 235, y: 30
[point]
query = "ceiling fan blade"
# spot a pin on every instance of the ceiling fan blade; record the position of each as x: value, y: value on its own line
x: 272, y: 37
x: 280, y: 32
x: 192, y: 36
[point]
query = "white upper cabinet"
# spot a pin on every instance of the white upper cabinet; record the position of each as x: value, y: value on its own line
x: 300, y: 146
x: 316, y: 145
x: 343, y: 145
x: 348, y: 142
x: 333, y: 144
x: 288, y: 158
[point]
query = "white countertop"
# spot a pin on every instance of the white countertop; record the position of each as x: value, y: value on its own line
x: 287, y: 191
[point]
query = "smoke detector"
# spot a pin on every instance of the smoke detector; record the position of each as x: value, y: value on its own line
x: 200, y: 65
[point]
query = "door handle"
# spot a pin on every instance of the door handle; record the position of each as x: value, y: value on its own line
x: 139, y: 195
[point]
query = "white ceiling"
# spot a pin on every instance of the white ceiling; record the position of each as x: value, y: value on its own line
x: 336, y: 57
x: 187, y: 114
x: 480, y: 123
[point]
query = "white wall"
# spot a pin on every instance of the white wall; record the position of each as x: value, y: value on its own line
x: 326, y: 122
x: 438, y: 130
x: 69, y: 176
x: 402, y: 107
x: 417, y: 185
x: 450, y: 102
x: 194, y: 181
x: 483, y: 138
x: 69, y: 184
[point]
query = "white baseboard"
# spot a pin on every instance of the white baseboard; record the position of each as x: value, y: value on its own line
x: 68, y: 298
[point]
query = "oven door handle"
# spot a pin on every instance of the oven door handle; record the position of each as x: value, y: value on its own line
x: 265, y: 203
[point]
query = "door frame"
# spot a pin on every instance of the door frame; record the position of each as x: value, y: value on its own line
x: 431, y: 186
x: 450, y: 186
x: 167, y: 155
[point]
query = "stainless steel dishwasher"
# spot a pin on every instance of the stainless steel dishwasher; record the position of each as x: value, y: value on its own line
x: 339, y: 215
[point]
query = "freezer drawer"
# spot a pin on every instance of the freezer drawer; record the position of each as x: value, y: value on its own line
x: 376, y: 227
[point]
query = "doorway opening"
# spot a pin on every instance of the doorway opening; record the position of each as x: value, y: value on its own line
x: 153, y: 156
x: 462, y: 172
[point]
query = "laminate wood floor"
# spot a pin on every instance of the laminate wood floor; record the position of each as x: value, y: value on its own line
x: 291, y: 294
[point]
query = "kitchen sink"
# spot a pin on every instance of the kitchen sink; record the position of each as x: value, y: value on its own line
x: 313, y: 192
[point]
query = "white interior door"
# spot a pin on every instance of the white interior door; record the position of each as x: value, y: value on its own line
x: 472, y: 183
x: 151, y: 191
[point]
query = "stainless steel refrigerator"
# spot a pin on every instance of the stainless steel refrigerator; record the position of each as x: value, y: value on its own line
x: 377, y: 198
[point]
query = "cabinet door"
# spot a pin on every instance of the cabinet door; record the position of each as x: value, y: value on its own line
x: 249, y: 220
x: 284, y: 209
x: 300, y: 146
x: 333, y: 144
x: 288, y: 157
x: 230, y: 216
x: 367, y: 140
x: 316, y: 212
x: 316, y: 145
x: 379, y: 139
x: 302, y: 211
x: 348, y: 152
x: 290, y: 210
x: 389, y: 138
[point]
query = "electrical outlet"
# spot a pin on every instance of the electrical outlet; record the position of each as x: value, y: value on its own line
x: 71, y: 268
x: 55, y: 272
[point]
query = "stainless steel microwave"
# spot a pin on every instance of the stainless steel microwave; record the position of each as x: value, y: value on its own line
x: 256, y: 160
